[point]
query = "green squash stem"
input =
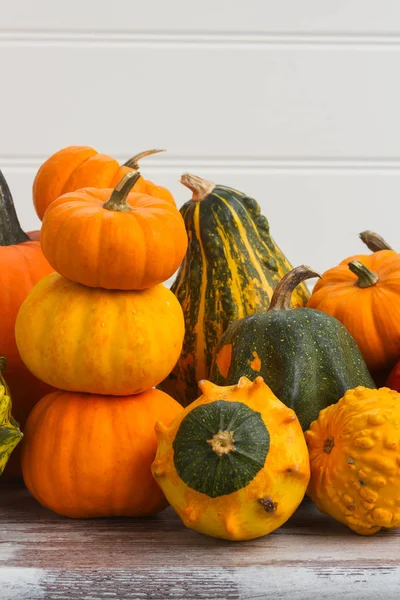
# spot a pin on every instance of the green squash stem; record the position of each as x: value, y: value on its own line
x: 11, y: 232
x: 200, y: 187
x: 118, y: 199
x: 366, y: 278
x: 133, y: 163
x: 374, y: 241
x: 282, y: 296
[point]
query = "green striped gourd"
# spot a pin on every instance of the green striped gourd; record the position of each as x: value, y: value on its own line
x: 10, y: 434
x: 230, y: 270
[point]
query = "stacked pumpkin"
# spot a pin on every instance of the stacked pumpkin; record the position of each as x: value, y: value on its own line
x: 103, y: 330
x: 22, y: 265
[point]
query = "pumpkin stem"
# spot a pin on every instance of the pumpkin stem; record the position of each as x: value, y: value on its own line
x: 200, y: 187
x: 11, y: 232
x: 222, y: 442
x: 118, y: 199
x: 374, y: 241
x: 133, y: 163
x: 366, y: 278
x: 282, y: 296
x: 3, y: 363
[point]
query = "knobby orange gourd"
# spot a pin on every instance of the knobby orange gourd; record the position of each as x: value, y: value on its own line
x: 77, y: 167
x: 98, y: 341
x: 363, y: 292
x: 114, y: 239
x: 90, y: 456
x: 354, y: 456
x: 22, y: 265
x: 233, y: 464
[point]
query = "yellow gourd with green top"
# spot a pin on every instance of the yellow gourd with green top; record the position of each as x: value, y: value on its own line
x: 234, y: 464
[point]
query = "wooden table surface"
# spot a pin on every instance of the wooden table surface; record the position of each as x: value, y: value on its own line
x: 46, y: 557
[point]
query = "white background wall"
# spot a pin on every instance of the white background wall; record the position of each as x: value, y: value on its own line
x: 294, y: 102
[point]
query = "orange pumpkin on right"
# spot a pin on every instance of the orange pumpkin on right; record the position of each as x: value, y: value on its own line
x: 363, y: 292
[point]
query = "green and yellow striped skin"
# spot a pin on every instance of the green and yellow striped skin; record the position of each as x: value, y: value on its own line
x: 230, y: 270
x: 10, y: 434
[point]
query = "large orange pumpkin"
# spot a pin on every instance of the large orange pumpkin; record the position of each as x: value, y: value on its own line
x: 90, y: 456
x: 363, y: 292
x: 22, y: 265
x: 76, y: 167
x: 98, y: 341
x: 114, y: 239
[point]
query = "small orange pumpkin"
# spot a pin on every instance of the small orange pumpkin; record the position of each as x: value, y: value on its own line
x: 363, y: 292
x: 90, y: 456
x: 114, y: 239
x: 111, y: 342
x: 76, y: 167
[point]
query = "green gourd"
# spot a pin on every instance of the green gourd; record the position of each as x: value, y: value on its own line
x: 308, y: 358
x: 230, y: 270
x: 10, y: 435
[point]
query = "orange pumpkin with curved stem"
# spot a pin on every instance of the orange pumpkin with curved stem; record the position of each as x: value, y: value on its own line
x: 114, y: 239
x: 88, y: 457
x: 77, y: 167
x: 363, y: 292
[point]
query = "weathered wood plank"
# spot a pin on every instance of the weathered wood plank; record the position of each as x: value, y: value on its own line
x: 44, y: 556
x: 172, y: 583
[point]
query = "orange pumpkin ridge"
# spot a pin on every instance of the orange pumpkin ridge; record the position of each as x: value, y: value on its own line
x: 91, y: 456
x: 76, y: 167
x: 114, y: 239
x: 363, y: 292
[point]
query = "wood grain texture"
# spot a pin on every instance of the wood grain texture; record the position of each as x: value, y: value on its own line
x: 43, y: 556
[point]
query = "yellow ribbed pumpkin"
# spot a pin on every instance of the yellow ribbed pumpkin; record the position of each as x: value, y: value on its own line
x: 110, y: 342
x: 355, y: 462
x: 234, y: 464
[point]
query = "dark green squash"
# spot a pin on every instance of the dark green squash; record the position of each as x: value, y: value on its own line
x: 230, y: 270
x: 218, y: 463
x: 307, y: 357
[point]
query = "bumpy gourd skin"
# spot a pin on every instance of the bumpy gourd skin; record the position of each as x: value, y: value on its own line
x: 10, y: 435
x: 307, y: 358
x: 274, y: 492
x: 355, y: 463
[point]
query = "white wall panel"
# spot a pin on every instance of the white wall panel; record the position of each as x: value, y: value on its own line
x: 202, y: 102
x: 253, y: 16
